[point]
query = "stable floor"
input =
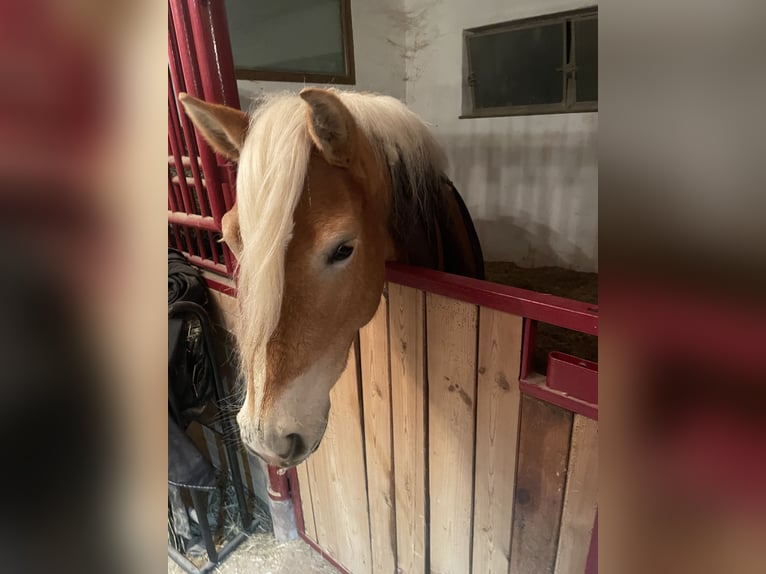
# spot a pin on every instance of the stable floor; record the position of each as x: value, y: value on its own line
x: 261, y: 554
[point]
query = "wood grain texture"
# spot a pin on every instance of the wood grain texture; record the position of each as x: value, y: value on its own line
x: 376, y: 392
x: 580, y: 498
x: 544, y: 438
x: 451, y: 334
x: 497, y: 429
x: 407, y: 351
x: 307, y: 505
x: 338, y: 483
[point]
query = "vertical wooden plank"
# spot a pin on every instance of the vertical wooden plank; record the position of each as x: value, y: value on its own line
x: 338, y: 482
x: 325, y: 525
x: 307, y: 506
x: 580, y: 498
x: 407, y: 348
x: 497, y: 428
x: 451, y: 335
x: 376, y: 391
x: 542, y: 464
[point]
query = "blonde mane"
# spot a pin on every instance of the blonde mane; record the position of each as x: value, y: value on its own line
x: 272, y: 171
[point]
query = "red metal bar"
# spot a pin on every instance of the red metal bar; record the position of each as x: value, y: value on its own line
x: 193, y: 220
x: 216, y: 65
x: 184, y: 53
x: 172, y: 195
x: 538, y: 306
x: 199, y: 62
x: 279, y: 489
x: 172, y: 199
x: 186, y: 240
x: 574, y: 376
x: 175, y: 139
x: 528, y: 347
x: 184, y: 135
x: 213, y: 247
x: 322, y: 553
x: 535, y: 386
x: 185, y: 71
x: 200, y: 244
x: 177, y: 237
x: 174, y: 191
x: 185, y: 199
x: 201, y: 193
x: 295, y: 494
x: 202, y: 64
x: 211, y: 184
x: 216, y: 61
x: 221, y: 287
x: 205, y: 263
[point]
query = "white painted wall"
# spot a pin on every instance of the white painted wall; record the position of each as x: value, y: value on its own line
x: 530, y: 182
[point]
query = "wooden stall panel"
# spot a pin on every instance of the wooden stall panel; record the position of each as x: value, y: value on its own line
x: 542, y: 466
x: 376, y: 392
x: 337, y: 480
x: 451, y: 335
x: 307, y: 506
x: 497, y: 428
x: 580, y: 498
x: 407, y: 350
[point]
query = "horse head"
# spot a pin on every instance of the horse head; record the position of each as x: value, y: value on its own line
x: 310, y: 234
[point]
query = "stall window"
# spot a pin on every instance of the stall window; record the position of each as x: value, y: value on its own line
x: 292, y: 40
x: 540, y: 65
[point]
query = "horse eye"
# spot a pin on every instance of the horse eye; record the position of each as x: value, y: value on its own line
x: 343, y: 251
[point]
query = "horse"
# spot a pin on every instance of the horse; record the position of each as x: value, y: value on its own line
x: 331, y: 185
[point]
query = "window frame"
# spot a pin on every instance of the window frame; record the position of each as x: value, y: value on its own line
x: 569, y: 76
x: 347, y: 32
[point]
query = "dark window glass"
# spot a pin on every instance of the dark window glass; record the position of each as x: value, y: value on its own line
x: 518, y: 67
x: 303, y: 36
x: 586, y: 56
x: 541, y: 65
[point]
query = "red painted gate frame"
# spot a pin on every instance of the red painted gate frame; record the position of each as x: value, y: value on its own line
x: 200, y: 63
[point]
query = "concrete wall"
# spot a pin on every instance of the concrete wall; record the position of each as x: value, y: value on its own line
x: 530, y: 182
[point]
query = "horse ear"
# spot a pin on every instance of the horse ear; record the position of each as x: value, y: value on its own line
x: 222, y: 127
x: 331, y: 126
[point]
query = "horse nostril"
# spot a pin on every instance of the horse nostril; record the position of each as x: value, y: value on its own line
x: 297, y: 447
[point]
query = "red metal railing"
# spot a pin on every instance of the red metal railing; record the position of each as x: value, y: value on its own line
x: 200, y: 183
x: 572, y: 383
